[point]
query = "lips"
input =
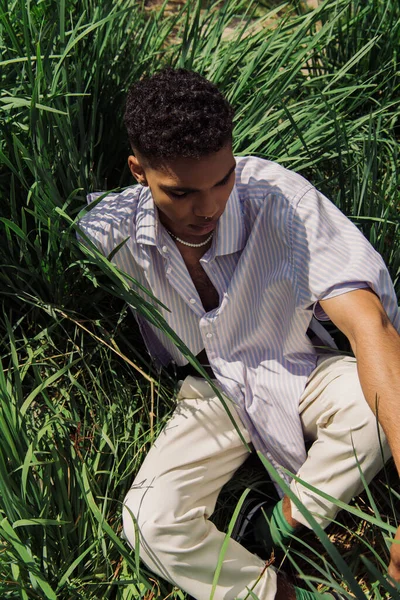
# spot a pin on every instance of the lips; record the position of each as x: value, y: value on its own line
x: 204, y: 228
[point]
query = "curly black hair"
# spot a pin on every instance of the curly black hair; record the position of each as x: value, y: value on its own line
x: 177, y: 113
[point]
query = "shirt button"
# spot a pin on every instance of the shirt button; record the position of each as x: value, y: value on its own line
x: 164, y: 248
x: 209, y: 335
x: 169, y: 270
x: 192, y: 301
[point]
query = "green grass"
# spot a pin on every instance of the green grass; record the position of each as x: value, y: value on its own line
x: 79, y: 402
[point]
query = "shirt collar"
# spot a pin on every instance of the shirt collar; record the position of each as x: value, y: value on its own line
x: 230, y: 232
x: 147, y: 227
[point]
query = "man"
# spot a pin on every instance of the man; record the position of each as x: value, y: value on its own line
x: 244, y: 253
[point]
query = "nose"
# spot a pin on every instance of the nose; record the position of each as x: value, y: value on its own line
x: 207, y: 206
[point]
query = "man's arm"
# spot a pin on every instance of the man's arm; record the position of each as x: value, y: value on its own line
x: 376, y: 345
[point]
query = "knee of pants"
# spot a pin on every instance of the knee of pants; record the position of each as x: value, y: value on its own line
x: 349, y: 441
x: 346, y: 418
x: 143, y: 527
x: 369, y: 444
x: 357, y: 425
x: 143, y: 517
x: 157, y: 521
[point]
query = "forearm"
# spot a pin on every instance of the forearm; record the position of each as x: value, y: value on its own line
x: 379, y: 372
x: 378, y: 363
x: 376, y: 345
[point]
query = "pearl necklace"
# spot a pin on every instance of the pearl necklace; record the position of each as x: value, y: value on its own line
x: 187, y: 243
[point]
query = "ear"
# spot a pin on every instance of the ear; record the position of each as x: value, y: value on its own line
x: 137, y: 170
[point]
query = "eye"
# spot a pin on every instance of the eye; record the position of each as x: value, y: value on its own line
x: 225, y: 181
x: 178, y: 194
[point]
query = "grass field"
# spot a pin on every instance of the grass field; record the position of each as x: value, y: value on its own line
x: 80, y: 405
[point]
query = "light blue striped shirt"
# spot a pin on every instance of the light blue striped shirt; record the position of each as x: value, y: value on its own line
x: 279, y: 247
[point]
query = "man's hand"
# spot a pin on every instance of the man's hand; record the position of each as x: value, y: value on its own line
x: 394, y: 566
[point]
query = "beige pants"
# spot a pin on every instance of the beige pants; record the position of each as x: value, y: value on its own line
x: 199, y: 450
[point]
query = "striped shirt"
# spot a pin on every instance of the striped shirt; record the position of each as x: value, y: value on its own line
x: 279, y: 247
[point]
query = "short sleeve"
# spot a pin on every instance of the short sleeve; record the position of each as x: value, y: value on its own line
x: 109, y: 218
x: 93, y: 226
x: 332, y: 257
x: 343, y: 288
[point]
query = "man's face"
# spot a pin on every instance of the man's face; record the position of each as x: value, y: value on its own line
x: 190, y: 194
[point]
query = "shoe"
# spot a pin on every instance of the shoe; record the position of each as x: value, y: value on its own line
x: 244, y: 530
